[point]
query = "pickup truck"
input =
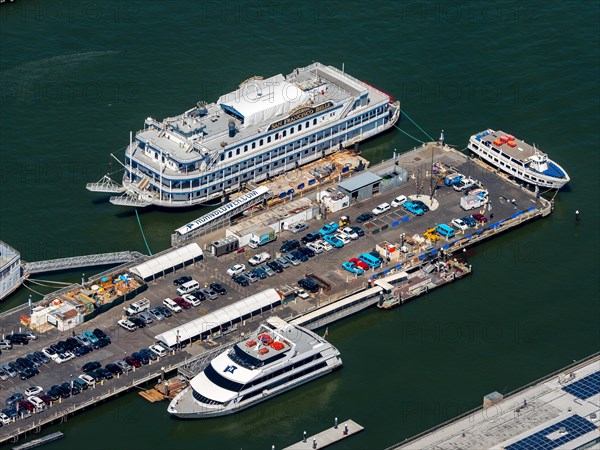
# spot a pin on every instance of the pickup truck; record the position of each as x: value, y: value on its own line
x: 137, y: 307
x: 259, y: 258
x: 329, y: 228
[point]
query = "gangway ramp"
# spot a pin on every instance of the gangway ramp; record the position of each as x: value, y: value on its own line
x: 101, y: 259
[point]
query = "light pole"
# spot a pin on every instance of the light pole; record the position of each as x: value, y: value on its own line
x: 83, y: 279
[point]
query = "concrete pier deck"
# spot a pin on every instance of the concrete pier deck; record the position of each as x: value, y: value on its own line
x: 330, y: 436
x: 388, y: 227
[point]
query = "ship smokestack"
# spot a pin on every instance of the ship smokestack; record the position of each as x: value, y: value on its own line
x: 231, y: 128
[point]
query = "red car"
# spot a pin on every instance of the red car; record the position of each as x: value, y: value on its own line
x: 358, y: 263
x: 26, y: 404
x: 479, y: 217
x: 182, y: 302
x: 133, y: 361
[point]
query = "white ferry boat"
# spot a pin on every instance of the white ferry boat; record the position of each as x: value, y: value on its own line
x: 278, y: 357
x: 518, y: 159
x: 264, y: 128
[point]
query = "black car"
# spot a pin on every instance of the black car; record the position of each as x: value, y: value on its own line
x: 16, y: 366
x: 137, y: 321
x: 241, y: 280
x: 299, y: 255
x: 259, y: 273
x: 143, y: 358
x: 376, y: 254
x: 307, y: 251
x: 199, y: 295
x: 311, y: 237
x: 59, y: 391
x: 74, y: 343
x: 28, y: 373
x: 105, y: 373
x: 18, y: 338
x: 99, y: 333
x: 53, y: 393
x: 421, y: 205
x: 42, y: 357
x: 73, y: 388
x: 364, y: 217
x: 309, y: 284
x: 218, y: 288
x: 149, y: 354
x: 358, y: 230
x: 92, y: 365
x: 114, y: 369
x: 103, y: 342
x: 289, y: 246
x: 68, y: 347
x: 181, y: 280
x: 34, y: 360
x: 165, y: 311
x: 25, y: 363
x: 275, y: 266
x: 83, y: 350
x: 97, y: 376
x: 57, y: 348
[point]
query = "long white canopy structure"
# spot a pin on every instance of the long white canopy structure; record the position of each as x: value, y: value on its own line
x: 167, y: 262
x: 241, y: 310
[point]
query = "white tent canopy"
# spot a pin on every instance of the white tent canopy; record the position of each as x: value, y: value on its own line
x: 164, y: 263
x: 223, y: 316
x: 261, y: 100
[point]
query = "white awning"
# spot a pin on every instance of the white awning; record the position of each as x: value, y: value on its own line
x: 162, y: 263
x: 223, y: 316
x: 261, y: 100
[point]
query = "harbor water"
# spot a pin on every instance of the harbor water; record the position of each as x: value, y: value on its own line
x: 76, y: 77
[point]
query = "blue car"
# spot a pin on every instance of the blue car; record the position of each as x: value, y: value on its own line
x: 329, y: 228
x: 469, y: 221
x: 413, y: 208
x: 300, y: 255
x: 352, y: 268
x: 331, y: 239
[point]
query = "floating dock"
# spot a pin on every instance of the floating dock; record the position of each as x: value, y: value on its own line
x: 40, y: 441
x: 330, y: 436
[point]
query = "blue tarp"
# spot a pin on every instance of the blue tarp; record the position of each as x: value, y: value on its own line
x: 398, y: 266
x: 445, y: 246
x: 283, y: 195
x: 311, y: 182
x: 301, y: 186
x: 395, y: 223
x: 345, y: 169
x: 517, y: 214
x: 434, y: 251
x: 531, y: 208
x: 404, y: 219
x: 423, y: 256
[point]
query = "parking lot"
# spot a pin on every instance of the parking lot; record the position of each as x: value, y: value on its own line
x: 327, y: 265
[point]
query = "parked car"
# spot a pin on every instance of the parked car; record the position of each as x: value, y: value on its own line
x: 308, y: 284
x: 343, y: 237
x: 144, y: 359
x: 4, y: 374
x: 74, y: 343
x: 333, y: 240
x: 352, y: 268
x: 309, y: 252
x: 5, y: 344
x: 398, y: 201
x: 114, y: 369
x: 64, y: 357
x: 134, y: 362
x: 159, y: 350
x: 413, y: 208
x: 124, y: 365
x: 72, y: 387
x: 149, y: 354
x: 127, y: 325
x: 311, y: 237
x: 293, y: 259
x: 89, y: 366
x: 37, y: 402
x: 13, y: 399
x: 91, y: 336
x: 358, y: 230
x: 42, y: 357
x: 251, y: 277
x: 302, y: 294
x: 364, y: 217
x: 99, y: 333
x: 29, y: 373
x: 289, y: 246
x: 479, y: 217
x: 34, y: 360
x: 283, y: 262
x: 315, y: 247
x: 241, y: 280
x: 236, y: 270
x: 421, y: 205
x: 107, y: 374
x: 90, y: 381
x: 349, y: 231
x: 166, y: 312
x: 156, y: 314
x: 82, y: 385
x: 210, y: 293
x: 469, y: 221
x: 181, y: 280
x: 261, y: 274
x: 26, y: 405
x: 192, y: 299
x: 182, y: 303
x: 301, y: 256
x: 380, y: 209
x: 358, y: 263
x: 33, y: 390
x: 460, y: 224
x: 275, y: 266
x: 218, y: 288
x: 297, y: 228
x: 9, y: 370
x: 326, y: 245
x: 138, y: 322
x: 102, y: 342
x: 266, y: 269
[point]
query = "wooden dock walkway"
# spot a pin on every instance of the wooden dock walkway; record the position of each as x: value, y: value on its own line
x: 345, y: 429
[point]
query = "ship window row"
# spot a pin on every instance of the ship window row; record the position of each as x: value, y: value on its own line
x: 279, y: 372
x: 202, y: 399
x: 293, y: 377
x: 292, y: 129
x: 221, y: 381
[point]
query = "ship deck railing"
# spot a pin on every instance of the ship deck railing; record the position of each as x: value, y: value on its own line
x: 100, y: 259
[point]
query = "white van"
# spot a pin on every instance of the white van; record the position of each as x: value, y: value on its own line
x: 37, y: 402
x: 172, y: 305
x: 187, y: 288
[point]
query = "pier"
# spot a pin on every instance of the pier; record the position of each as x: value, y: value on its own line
x: 40, y: 441
x: 101, y: 259
x: 339, y: 431
x: 403, y: 277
